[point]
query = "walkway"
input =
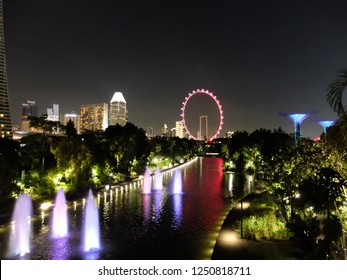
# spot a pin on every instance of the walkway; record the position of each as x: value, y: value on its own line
x: 229, y: 245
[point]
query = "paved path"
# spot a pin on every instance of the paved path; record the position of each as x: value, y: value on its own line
x: 229, y: 245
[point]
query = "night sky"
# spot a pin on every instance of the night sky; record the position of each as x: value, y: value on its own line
x: 258, y: 57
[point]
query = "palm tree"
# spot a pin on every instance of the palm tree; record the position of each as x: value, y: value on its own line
x: 336, y: 89
x: 334, y: 97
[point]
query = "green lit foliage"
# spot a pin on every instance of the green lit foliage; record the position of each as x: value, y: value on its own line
x: 263, y: 221
x: 127, y: 149
x: 166, y: 151
x: 74, y: 162
x: 35, y: 164
x: 267, y: 227
x: 305, y: 181
x: 323, y: 193
x: 249, y: 152
x: 308, y: 184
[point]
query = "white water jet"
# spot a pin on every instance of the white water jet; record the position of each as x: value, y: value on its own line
x: 59, y: 220
x: 146, y: 184
x: 20, y: 230
x: 158, y: 180
x: 91, y: 225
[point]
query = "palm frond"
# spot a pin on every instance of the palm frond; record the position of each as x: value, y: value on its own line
x: 335, y: 92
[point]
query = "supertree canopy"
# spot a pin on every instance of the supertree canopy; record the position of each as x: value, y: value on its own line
x: 297, y: 119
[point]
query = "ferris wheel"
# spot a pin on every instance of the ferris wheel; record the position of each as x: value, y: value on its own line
x: 221, y: 117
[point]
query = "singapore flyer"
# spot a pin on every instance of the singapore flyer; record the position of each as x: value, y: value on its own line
x: 202, y: 118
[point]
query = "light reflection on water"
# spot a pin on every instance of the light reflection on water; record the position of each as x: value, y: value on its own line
x: 159, y: 225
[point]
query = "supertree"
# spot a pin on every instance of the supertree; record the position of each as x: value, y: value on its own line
x: 297, y: 119
x: 325, y: 125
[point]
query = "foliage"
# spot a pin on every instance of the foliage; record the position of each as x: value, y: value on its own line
x: 42, y: 124
x: 267, y: 227
x: 263, y: 222
x: 43, y: 163
x: 335, y: 92
x: 334, y: 97
x: 70, y: 129
x: 306, y: 182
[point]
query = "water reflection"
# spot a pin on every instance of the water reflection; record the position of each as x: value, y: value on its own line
x: 237, y: 184
x: 177, y: 206
x: 59, y: 248
x: 146, y: 207
x: 91, y: 255
x: 157, y: 205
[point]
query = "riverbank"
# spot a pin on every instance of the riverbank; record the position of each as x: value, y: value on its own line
x: 7, y: 207
x: 230, y: 246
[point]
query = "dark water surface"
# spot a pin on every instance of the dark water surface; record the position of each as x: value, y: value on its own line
x: 160, y: 225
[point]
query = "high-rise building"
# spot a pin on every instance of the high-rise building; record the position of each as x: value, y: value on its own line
x: 179, y: 132
x: 165, y: 130
x: 5, y: 117
x: 229, y: 134
x: 76, y: 119
x: 53, y: 113
x: 29, y: 109
x: 118, y: 110
x: 149, y: 132
x: 94, y: 117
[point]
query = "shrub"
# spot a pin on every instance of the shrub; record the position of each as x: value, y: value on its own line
x: 267, y: 227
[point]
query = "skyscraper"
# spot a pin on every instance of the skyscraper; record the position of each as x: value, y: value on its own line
x: 76, y: 119
x: 29, y: 109
x: 179, y: 129
x: 164, y: 130
x: 118, y: 110
x: 5, y: 117
x: 94, y: 117
x: 53, y: 113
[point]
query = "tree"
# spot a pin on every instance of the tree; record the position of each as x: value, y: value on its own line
x: 127, y: 147
x: 41, y: 123
x: 324, y: 191
x: 70, y: 129
x: 334, y: 97
x: 8, y: 165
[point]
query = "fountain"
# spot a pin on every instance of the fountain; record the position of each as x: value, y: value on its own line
x: 20, y: 230
x: 177, y: 182
x: 59, y: 220
x: 146, y: 185
x: 91, y: 225
x: 158, y: 181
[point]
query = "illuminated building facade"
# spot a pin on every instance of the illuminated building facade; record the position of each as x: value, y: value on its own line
x: 179, y: 132
x: 29, y: 109
x: 76, y: 119
x: 53, y: 113
x: 94, y: 117
x: 118, y: 110
x: 149, y: 132
x: 5, y: 117
x: 165, y: 130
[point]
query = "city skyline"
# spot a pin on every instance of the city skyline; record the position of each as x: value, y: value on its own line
x: 257, y: 58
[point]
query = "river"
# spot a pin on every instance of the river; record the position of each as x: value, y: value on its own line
x: 159, y: 225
